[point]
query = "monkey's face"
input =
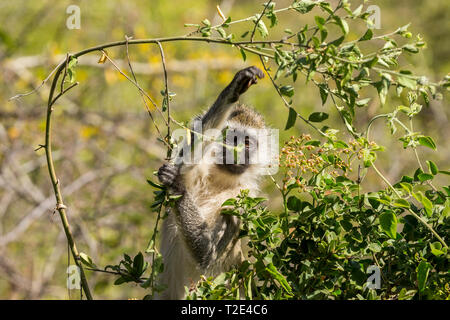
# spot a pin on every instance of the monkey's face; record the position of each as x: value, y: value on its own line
x: 238, y: 150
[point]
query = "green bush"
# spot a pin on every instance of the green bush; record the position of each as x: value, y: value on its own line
x: 322, y: 244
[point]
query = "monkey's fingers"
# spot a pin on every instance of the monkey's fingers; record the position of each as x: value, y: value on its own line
x: 257, y: 72
x: 167, y: 174
x: 247, y: 77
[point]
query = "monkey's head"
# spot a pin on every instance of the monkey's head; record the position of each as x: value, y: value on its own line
x: 241, y: 140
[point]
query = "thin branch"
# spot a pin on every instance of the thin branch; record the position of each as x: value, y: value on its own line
x: 60, y: 207
x: 140, y: 92
x: 167, y: 98
x: 259, y: 19
x: 140, y: 280
x: 65, y: 72
x: 63, y: 92
x: 39, y: 86
x: 133, y: 82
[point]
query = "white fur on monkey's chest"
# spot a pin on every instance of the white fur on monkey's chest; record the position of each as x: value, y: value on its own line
x: 211, y: 187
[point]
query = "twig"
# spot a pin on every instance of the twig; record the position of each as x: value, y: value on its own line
x: 56, y: 185
x: 153, y: 240
x: 140, y: 92
x: 133, y: 82
x: 140, y: 280
x: 167, y: 98
x: 65, y: 72
x: 259, y: 19
x: 39, y: 86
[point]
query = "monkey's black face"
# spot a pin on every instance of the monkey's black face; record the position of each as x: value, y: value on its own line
x: 237, y: 151
x: 234, y: 168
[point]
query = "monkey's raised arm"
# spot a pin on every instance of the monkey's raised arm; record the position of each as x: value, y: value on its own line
x: 206, y: 242
x: 218, y: 113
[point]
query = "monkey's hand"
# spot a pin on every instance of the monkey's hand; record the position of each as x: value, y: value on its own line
x: 243, y: 80
x: 168, y: 174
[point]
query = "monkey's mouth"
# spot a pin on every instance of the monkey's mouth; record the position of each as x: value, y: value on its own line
x: 234, y: 168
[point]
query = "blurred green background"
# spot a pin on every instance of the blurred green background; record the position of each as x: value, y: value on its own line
x: 105, y: 144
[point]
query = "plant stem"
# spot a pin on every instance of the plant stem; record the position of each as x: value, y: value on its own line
x: 395, y: 191
x: 60, y: 207
x: 410, y: 211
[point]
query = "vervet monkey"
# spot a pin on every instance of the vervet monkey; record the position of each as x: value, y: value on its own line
x: 196, y: 238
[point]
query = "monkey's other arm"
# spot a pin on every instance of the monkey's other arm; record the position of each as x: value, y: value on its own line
x: 205, y: 242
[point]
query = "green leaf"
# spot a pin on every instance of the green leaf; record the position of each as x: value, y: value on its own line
x: 402, y: 203
x: 315, y: 143
x: 388, y: 222
x: 410, y: 48
x: 229, y: 202
x: 319, y: 21
x: 427, y: 142
x: 294, y: 204
x: 436, y: 249
x: 418, y: 196
x: 304, y: 6
x: 138, y: 263
x: 340, y: 144
x: 86, y: 260
x: 119, y: 281
x: 342, y: 23
x: 323, y: 34
x: 291, y: 119
x: 416, y: 174
x: 375, y: 247
x: 427, y: 205
x: 407, y: 82
x: 244, y: 56
x: 72, y: 62
x: 425, y: 176
x: 71, y: 69
x: 406, y: 186
x: 368, y: 157
x: 367, y: 36
x: 287, y: 91
x: 245, y: 34
x: 318, y: 116
x: 279, y: 277
x: 326, y: 7
x: 422, y: 274
x: 337, y: 42
x: 432, y: 167
x: 222, y: 32
x: 323, y: 93
x: 155, y: 185
x: 262, y: 28
x: 382, y: 88
x: 358, y: 11
x: 363, y: 102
